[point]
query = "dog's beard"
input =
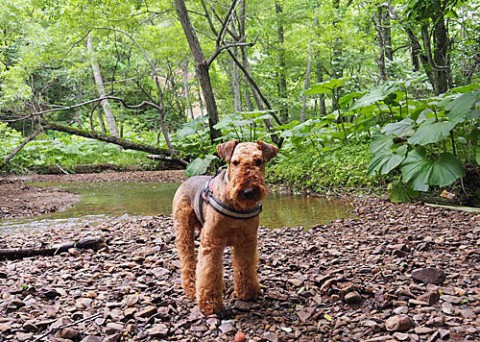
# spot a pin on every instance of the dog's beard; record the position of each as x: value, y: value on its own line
x: 237, y: 196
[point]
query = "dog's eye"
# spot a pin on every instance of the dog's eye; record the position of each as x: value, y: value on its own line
x: 258, y: 162
x: 235, y: 162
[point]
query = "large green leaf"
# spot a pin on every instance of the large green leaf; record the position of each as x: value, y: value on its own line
x: 431, y: 132
x: 477, y: 154
x: 199, y: 166
x: 325, y: 87
x: 446, y: 170
x: 401, y: 128
x: 385, y: 163
x: 399, y: 193
x: 420, y: 172
x: 461, y: 108
x: 384, y: 160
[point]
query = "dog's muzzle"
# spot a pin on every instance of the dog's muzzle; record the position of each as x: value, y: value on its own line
x: 250, y: 193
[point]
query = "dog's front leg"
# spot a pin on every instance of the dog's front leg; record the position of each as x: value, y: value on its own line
x: 210, y: 284
x: 245, y: 261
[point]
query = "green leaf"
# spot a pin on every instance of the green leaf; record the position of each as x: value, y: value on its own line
x: 325, y: 87
x: 399, y: 193
x: 199, y: 166
x: 477, y: 154
x: 446, y: 170
x: 461, y: 108
x: 385, y: 163
x: 420, y: 172
x: 431, y: 132
x: 401, y: 128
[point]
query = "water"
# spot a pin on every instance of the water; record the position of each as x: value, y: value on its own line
x: 112, y: 200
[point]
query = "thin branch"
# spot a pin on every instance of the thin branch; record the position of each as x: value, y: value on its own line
x: 17, y: 149
x: 219, y: 50
x: 225, y: 22
x: 51, y: 331
x: 60, y: 108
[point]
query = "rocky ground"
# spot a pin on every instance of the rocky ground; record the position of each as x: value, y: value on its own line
x: 393, y: 273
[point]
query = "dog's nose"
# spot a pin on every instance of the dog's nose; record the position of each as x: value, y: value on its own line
x: 249, y: 193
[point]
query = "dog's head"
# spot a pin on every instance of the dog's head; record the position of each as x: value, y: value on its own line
x: 245, y: 184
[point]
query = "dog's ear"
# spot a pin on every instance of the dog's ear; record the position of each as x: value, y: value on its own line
x: 269, y: 151
x: 225, y: 150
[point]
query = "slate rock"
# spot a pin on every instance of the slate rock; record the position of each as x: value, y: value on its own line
x: 429, y: 275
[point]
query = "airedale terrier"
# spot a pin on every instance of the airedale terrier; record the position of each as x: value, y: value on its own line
x: 225, y: 209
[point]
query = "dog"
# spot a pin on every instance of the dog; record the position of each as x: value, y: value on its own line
x: 225, y: 209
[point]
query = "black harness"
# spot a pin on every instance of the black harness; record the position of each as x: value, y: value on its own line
x: 206, y: 196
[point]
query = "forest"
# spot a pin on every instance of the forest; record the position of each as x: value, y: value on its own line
x: 358, y: 94
x: 371, y: 228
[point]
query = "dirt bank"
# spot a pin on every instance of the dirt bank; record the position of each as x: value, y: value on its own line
x: 395, y: 273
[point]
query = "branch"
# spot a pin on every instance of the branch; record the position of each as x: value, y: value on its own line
x: 86, y: 243
x: 128, y: 145
x: 60, y: 108
x: 17, y: 149
x: 51, y: 331
x: 225, y: 23
x: 219, y: 50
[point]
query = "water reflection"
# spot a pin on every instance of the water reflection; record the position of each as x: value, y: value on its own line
x: 114, y: 199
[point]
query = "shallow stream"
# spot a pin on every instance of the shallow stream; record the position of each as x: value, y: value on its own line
x: 113, y: 200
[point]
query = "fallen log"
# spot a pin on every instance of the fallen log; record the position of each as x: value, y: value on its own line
x: 19, y: 253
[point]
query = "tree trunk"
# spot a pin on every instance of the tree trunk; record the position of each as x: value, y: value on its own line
x: 235, y: 80
x: 306, y: 84
x: 185, y: 89
x: 126, y: 144
x: 112, y: 126
x: 281, y: 74
x: 440, y: 54
x: 202, y: 67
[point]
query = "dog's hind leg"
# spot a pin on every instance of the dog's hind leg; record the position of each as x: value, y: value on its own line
x: 185, y: 222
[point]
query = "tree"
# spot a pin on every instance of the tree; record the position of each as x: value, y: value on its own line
x: 202, y: 67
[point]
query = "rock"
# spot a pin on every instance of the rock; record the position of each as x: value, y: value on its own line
x: 158, y: 330
x: 401, y: 336
x: 423, y: 330
x: 70, y: 333
x: 444, y: 333
x: 243, y: 305
x: 353, y: 298
x: 91, y: 338
x: 431, y: 297
x: 399, y: 323
x: 401, y: 310
x: 227, y: 327
x: 239, y: 337
x: 270, y: 336
x: 467, y: 313
x: 147, y: 311
x: 429, y: 275
x: 113, y: 328
x: 447, y: 308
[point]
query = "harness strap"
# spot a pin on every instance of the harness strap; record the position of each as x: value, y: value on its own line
x: 206, y: 195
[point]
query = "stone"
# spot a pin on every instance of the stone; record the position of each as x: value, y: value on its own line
x: 68, y: 333
x: 228, y: 326
x: 353, y: 298
x: 147, y: 311
x: 431, y: 297
x: 401, y: 310
x: 158, y: 330
x: 429, y: 275
x: 400, y: 323
x: 423, y: 330
x: 92, y: 338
